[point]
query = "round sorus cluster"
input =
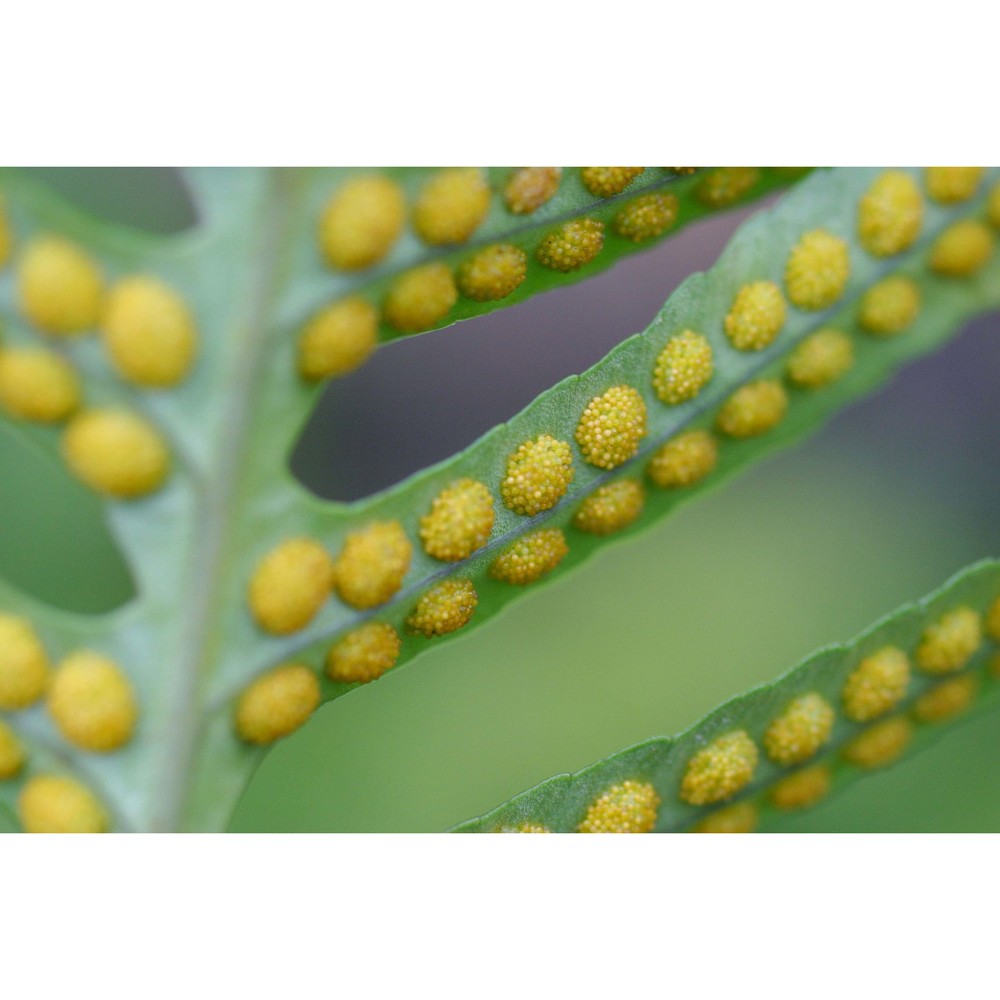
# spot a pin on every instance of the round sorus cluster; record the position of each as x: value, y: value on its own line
x: 37, y: 384
x: 756, y: 316
x: 890, y: 306
x: 92, y: 702
x: 572, y: 245
x: 720, y: 770
x: 740, y: 817
x: 992, y: 621
x: 493, y: 273
x: 630, y: 807
x: 880, y: 745
x: 50, y: 803
x: 59, y: 286
x: 817, y: 270
x: 12, y: 754
x: 338, y: 339
x: 725, y: 185
x: 444, y: 608
x: 361, y: 222
x: 529, y: 188
x: 116, y: 452
x: 24, y: 666
x: 290, y: 584
x: 420, y: 298
x: 683, y: 367
x: 364, y: 654
x: 802, y: 789
x: 876, y: 685
x: 822, y: 358
x: 953, y: 184
x: 683, y: 460
x: 611, y: 427
x: 610, y: 508
x: 531, y: 557
x: 372, y: 564
x: 947, y: 699
x: 947, y: 644
x: 753, y: 409
x: 993, y: 206
x: 459, y: 522
x: 149, y: 333
x: 538, y: 475
x: 962, y: 249
x: 800, y: 730
x: 890, y: 214
x: 451, y: 205
x: 647, y: 217
x: 276, y: 704
x: 605, y: 182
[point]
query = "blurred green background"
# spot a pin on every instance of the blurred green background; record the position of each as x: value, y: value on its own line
x: 809, y: 548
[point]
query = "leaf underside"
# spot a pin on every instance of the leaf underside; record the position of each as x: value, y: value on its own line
x: 251, y: 275
x: 561, y: 803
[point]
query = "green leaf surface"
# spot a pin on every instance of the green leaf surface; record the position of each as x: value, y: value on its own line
x: 187, y: 640
x: 561, y: 803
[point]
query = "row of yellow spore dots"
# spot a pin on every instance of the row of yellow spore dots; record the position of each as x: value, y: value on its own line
x: 93, y: 706
x: 365, y: 217
x: 293, y: 581
x: 150, y: 339
x: 876, y: 686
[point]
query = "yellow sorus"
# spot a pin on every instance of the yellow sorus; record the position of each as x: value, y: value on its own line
x: 116, y: 452
x: 611, y: 427
x: 881, y: 744
x: 444, y: 608
x: 11, y: 753
x: 720, y: 770
x: 725, y: 185
x: 822, y: 358
x: 493, y: 273
x: 420, y: 298
x: 947, y: 644
x: 992, y: 623
x: 741, y: 817
x: 451, y: 205
x: 610, y: 508
x: 817, y: 270
x: 962, y: 249
x: 993, y: 206
x: 6, y: 238
x: 626, y: 808
x: 372, y: 564
x: 683, y: 367
x: 605, y: 182
x: 684, y: 460
x: 947, y: 699
x: 364, y: 654
x: 531, y: 557
x: 459, y: 522
x: 49, y: 803
x: 890, y: 306
x: 876, y: 685
x: 361, y: 222
x: 647, y: 217
x: 92, y: 702
x: 277, y: 703
x: 290, y: 585
x: 571, y: 246
x: 338, y: 339
x: 890, y: 214
x: 532, y: 828
x: 803, y: 789
x: 24, y: 667
x: 538, y: 475
x: 951, y: 184
x: 148, y: 332
x: 753, y: 409
x: 756, y: 316
x: 59, y: 286
x: 531, y: 187
x: 800, y: 730
x: 36, y: 384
